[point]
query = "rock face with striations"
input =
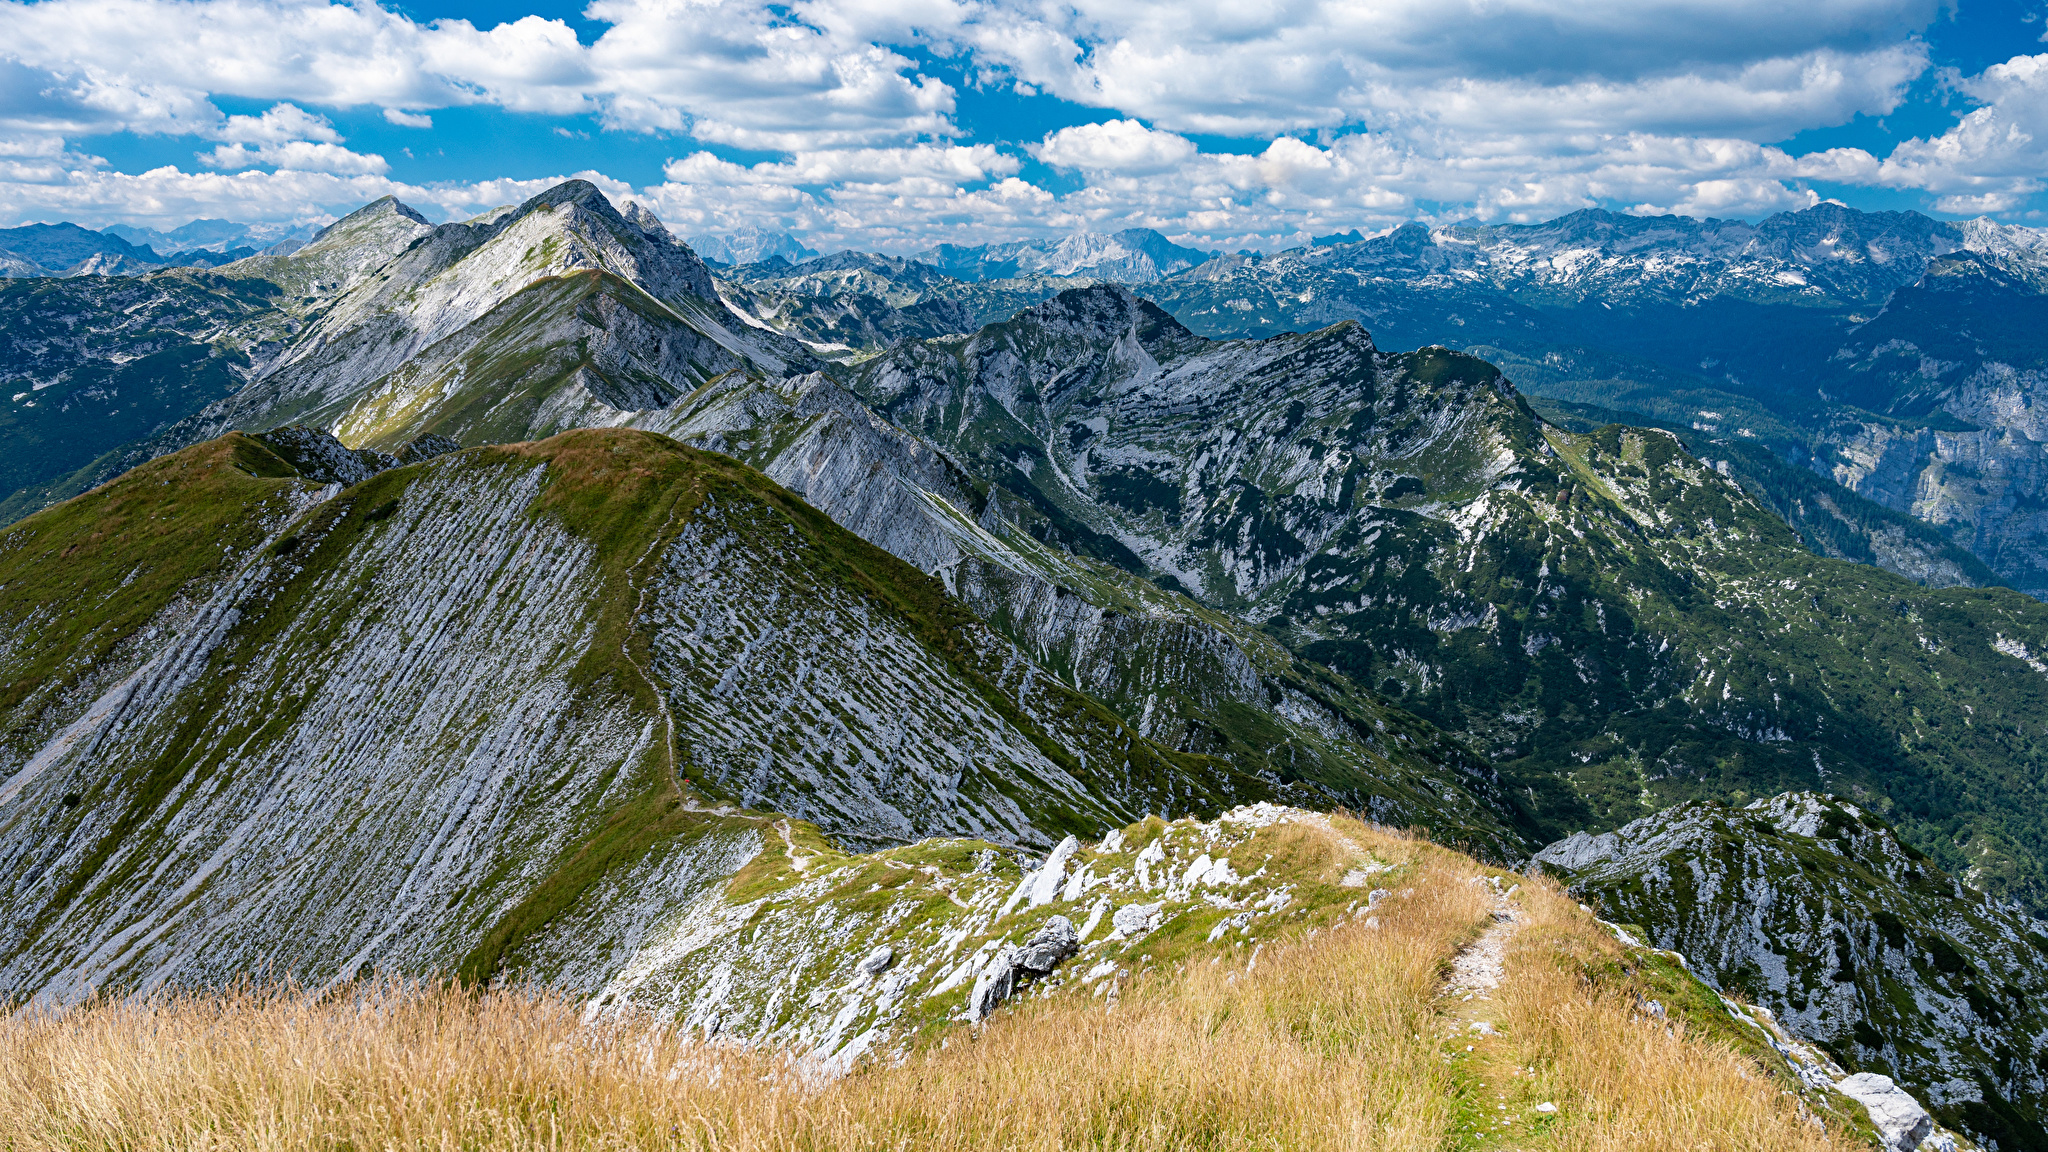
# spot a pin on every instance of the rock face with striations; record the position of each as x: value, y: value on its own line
x: 443, y: 681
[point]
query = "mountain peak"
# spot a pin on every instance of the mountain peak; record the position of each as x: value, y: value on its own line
x: 751, y: 244
x: 382, y: 206
x: 647, y: 222
x: 1133, y: 256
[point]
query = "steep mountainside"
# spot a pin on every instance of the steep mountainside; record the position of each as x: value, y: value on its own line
x: 854, y: 303
x: 1813, y: 908
x: 1832, y: 520
x: 1613, y: 622
x: 125, y: 358
x: 92, y: 363
x: 1187, y: 677
x: 1795, y: 330
x: 462, y: 685
x: 1958, y: 363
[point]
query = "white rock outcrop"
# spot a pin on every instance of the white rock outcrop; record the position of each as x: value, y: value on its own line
x: 1899, y: 1118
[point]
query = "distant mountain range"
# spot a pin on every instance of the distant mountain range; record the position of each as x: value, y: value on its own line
x: 69, y: 250
x: 751, y: 244
x: 1133, y: 256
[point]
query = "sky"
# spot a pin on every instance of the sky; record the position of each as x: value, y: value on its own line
x: 892, y: 125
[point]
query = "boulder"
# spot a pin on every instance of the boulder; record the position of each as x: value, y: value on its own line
x: 1899, y: 1118
x: 877, y: 962
x: 1131, y: 919
x: 1046, y: 884
x: 1052, y: 944
x: 997, y: 980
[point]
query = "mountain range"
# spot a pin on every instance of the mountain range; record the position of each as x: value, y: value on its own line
x: 525, y: 596
x: 38, y: 250
x: 1887, y: 354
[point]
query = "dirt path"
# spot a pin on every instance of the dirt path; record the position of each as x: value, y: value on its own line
x: 1477, y: 970
x: 1486, y: 1121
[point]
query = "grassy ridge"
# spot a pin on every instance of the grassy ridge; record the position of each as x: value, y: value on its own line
x: 1337, y: 1040
x: 84, y: 576
x: 629, y: 493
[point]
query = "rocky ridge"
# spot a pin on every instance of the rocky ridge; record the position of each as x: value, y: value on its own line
x: 515, y: 652
x: 1602, y: 614
x: 561, y: 302
x: 1191, y: 678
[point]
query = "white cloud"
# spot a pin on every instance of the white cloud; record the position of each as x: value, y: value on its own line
x: 1618, y: 65
x: 950, y: 164
x: 1369, y: 112
x: 284, y: 122
x: 300, y: 155
x: 729, y: 71
x: 1124, y: 146
x: 1996, y: 156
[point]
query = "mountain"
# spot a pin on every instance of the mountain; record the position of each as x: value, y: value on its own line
x: 1133, y: 256
x: 239, y: 657
x: 90, y: 364
x: 1307, y: 507
x: 219, y: 237
x: 1615, y: 624
x: 853, y: 304
x: 541, y: 315
x: 69, y: 250
x: 1831, y: 520
x: 1802, y: 331
x: 525, y: 605
x: 850, y: 302
x: 58, y: 247
x: 750, y: 244
x: 1814, y: 909
x: 1188, y: 678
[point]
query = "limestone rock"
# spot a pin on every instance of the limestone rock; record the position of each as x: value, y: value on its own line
x: 320, y: 457
x: 877, y: 962
x: 1053, y: 943
x: 997, y: 980
x: 426, y: 447
x: 1046, y: 885
x: 1132, y: 919
x: 1899, y: 1117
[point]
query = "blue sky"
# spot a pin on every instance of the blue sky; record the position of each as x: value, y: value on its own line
x: 897, y: 124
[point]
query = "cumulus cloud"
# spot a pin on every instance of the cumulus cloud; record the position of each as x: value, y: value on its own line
x: 302, y: 155
x: 1994, y: 158
x: 1357, y: 114
x: 728, y: 71
x: 1122, y: 146
x: 954, y: 164
x: 1645, y: 65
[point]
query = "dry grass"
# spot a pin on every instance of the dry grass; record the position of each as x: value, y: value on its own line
x: 1334, y: 1042
x: 1623, y: 1079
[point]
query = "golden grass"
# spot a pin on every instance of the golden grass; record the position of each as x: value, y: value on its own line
x: 1623, y: 1079
x: 1333, y: 1042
